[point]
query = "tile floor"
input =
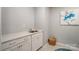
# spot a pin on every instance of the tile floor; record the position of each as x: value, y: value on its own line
x: 48, y: 47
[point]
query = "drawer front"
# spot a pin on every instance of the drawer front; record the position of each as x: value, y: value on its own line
x: 12, y: 43
x: 18, y: 47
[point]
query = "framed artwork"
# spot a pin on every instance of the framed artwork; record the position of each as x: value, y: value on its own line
x: 70, y: 17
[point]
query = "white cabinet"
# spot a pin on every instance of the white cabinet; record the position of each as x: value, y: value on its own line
x: 19, y: 47
x: 30, y: 42
x: 37, y: 41
x: 16, y: 48
x: 12, y: 42
x: 21, y: 44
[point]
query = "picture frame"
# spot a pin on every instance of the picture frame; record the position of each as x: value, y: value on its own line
x: 69, y: 17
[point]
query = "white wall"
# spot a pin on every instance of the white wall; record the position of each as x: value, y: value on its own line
x: 0, y: 28
x: 0, y: 21
x: 16, y: 19
x: 65, y: 34
x: 42, y: 16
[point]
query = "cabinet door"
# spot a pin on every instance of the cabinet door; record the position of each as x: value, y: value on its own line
x: 18, y: 47
x: 27, y: 45
x: 23, y: 46
x: 37, y: 41
x: 14, y: 48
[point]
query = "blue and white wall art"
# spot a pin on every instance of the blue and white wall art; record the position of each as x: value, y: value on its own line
x: 70, y: 17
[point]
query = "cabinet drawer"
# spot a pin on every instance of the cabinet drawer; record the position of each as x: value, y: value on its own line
x: 12, y: 43
x: 17, y: 47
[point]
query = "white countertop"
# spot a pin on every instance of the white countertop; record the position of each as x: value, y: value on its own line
x: 15, y: 35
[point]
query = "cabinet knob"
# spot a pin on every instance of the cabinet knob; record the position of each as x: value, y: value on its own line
x: 20, y: 46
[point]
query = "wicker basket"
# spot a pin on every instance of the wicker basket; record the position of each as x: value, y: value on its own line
x: 52, y: 40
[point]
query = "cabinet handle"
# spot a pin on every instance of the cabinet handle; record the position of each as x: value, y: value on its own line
x: 20, y: 46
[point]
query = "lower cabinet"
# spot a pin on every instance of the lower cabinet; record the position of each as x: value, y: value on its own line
x: 22, y: 46
x: 27, y: 43
x: 19, y: 47
x: 37, y: 41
